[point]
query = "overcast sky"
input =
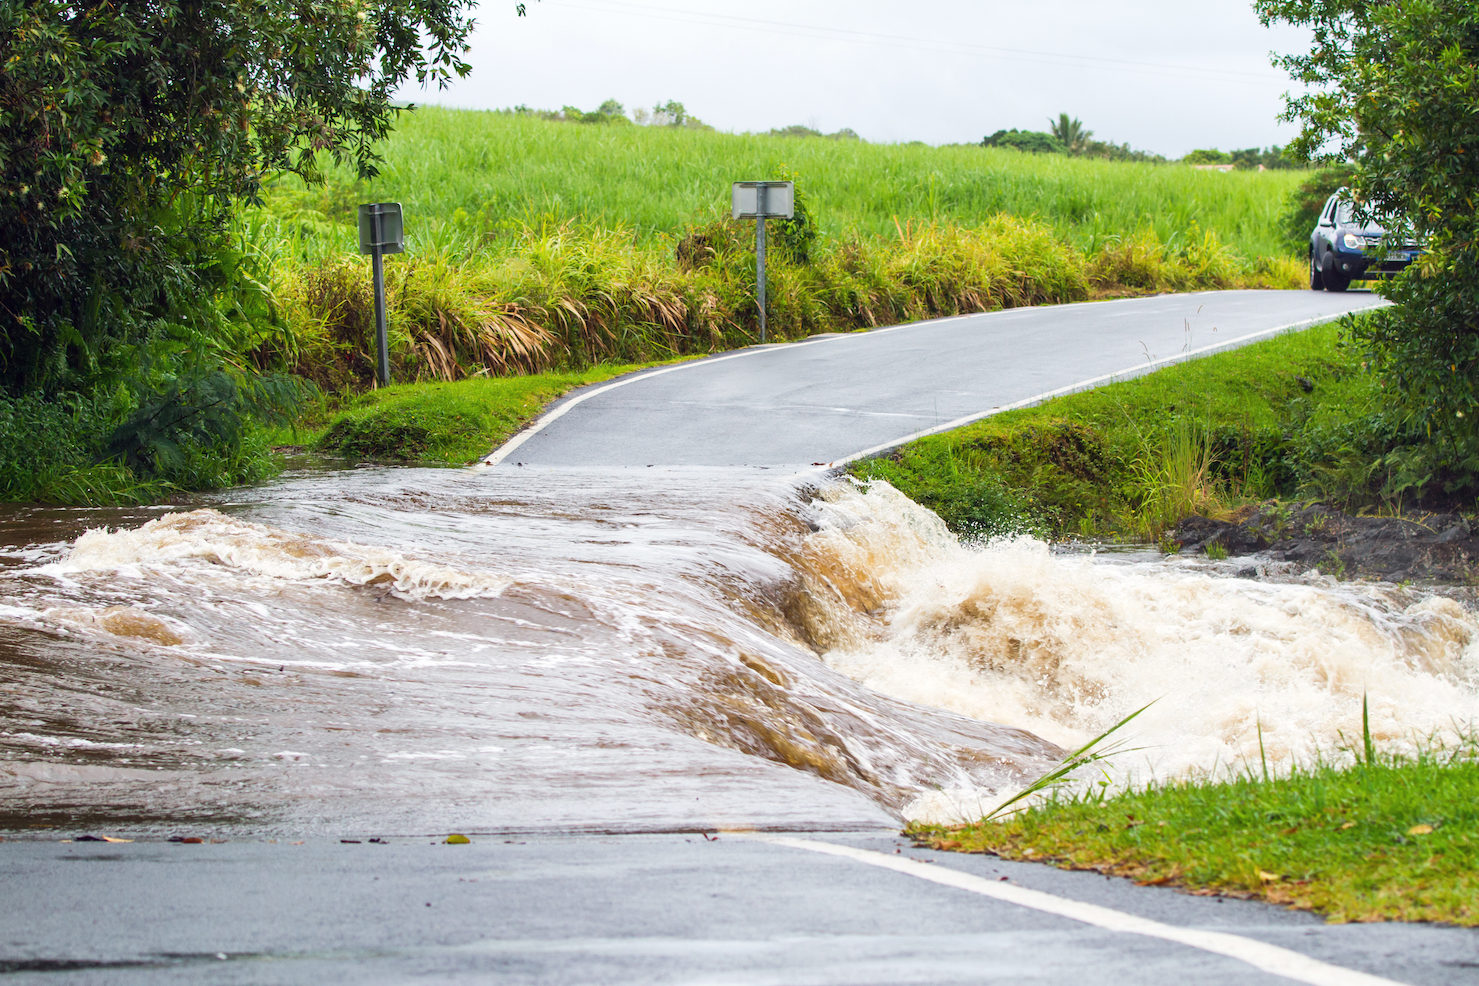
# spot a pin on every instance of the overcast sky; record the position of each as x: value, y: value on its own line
x: 1163, y: 75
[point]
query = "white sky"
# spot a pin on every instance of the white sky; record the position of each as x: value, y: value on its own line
x: 1164, y: 75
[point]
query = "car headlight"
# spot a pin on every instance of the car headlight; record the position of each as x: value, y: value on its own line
x: 1352, y: 241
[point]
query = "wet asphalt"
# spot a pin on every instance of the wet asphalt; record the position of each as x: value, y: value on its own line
x: 646, y: 909
x: 692, y: 907
x: 831, y: 397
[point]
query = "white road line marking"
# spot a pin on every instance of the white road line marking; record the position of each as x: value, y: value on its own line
x: 1091, y: 382
x: 503, y: 451
x: 1267, y: 958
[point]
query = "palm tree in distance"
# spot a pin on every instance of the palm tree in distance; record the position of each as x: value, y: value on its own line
x: 1070, y: 131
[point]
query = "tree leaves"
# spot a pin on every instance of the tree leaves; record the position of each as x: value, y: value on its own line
x: 111, y: 111
x: 1394, y: 91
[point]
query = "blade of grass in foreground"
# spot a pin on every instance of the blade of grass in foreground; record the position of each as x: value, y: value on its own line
x: 1081, y: 757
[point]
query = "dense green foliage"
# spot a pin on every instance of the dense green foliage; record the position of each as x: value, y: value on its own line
x: 1393, y: 839
x: 1135, y: 457
x: 1308, y: 200
x: 1394, y: 89
x: 128, y: 130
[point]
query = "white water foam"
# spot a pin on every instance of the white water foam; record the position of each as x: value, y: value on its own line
x: 1066, y: 646
x: 214, y: 538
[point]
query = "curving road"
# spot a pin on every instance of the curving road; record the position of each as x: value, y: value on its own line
x: 843, y: 908
x: 835, y: 397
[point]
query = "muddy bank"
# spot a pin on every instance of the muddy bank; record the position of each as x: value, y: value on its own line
x: 1438, y: 547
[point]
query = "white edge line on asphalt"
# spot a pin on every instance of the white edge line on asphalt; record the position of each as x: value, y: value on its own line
x: 1261, y: 955
x: 1135, y: 370
x: 504, y: 450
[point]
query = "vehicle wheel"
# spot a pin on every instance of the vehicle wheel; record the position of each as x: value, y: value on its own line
x: 1317, y: 279
x: 1334, y: 280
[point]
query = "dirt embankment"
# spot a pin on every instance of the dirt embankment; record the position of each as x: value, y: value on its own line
x: 1439, y: 547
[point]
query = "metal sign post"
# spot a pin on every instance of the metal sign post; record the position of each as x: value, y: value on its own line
x: 381, y: 231
x: 759, y: 200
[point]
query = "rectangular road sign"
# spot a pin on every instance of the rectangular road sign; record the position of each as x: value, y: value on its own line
x: 763, y: 199
x: 380, y: 226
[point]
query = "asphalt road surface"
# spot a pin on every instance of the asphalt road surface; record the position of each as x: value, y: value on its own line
x: 838, y: 908
x: 834, y: 397
x: 656, y: 909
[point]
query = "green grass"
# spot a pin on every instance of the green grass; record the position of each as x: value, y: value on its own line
x: 1110, y: 461
x: 444, y: 423
x: 535, y: 246
x: 1396, y: 840
x: 461, y: 171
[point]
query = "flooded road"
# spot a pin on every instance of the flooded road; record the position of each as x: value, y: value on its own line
x: 392, y: 651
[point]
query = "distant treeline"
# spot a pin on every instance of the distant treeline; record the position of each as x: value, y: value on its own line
x: 1245, y: 160
x: 1038, y: 142
x: 669, y: 114
x: 1066, y: 135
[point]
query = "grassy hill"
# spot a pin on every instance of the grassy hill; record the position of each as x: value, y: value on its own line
x: 659, y: 180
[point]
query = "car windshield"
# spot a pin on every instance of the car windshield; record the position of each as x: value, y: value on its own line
x: 1345, y: 215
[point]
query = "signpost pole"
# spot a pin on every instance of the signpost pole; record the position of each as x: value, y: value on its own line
x: 382, y: 340
x: 382, y: 230
x: 757, y: 200
x: 760, y: 257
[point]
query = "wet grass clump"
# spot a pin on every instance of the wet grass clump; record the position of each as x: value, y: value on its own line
x: 1393, y: 839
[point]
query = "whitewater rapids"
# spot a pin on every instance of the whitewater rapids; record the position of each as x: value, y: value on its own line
x: 423, y: 650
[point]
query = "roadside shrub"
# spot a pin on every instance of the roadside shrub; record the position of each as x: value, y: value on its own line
x: 1306, y: 201
x: 334, y: 308
x: 1134, y: 261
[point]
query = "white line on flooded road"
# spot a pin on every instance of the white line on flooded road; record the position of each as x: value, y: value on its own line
x: 1261, y: 955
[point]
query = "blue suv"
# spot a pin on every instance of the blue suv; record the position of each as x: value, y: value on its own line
x: 1343, y: 250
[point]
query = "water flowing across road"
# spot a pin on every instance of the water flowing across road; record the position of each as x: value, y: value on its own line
x: 622, y: 649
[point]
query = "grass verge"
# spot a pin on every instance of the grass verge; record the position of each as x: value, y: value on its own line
x: 1391, y: 840
x: 574, y: 294
x: 1134, y: 457
x: 443, y: 423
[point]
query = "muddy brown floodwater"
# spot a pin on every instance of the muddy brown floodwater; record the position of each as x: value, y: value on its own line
x: 400, y: 651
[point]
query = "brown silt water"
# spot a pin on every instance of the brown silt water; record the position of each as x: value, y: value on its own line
x: 413, y: 650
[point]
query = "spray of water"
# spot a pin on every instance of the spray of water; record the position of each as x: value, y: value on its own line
x: 1066, y: 645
